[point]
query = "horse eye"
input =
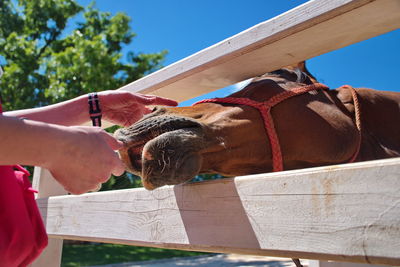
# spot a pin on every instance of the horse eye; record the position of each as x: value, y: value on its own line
x: 154, y: 109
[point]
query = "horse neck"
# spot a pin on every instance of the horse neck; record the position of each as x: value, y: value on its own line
x: 380, y: 113
x: 271, y: 86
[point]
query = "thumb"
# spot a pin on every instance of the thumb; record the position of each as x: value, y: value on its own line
x: 157, y: 100
x: 119, y: 167
x: 115, y: 144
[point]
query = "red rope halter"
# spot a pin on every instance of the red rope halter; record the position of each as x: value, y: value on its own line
x: 265, y: 109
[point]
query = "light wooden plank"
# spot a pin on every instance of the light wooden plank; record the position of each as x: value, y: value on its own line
x: 47, y: 186
x: 309, y: 30
x: 314, y: 263
x: 345, y: 213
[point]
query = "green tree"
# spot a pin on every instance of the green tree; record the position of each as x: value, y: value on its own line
x: 45, y: 62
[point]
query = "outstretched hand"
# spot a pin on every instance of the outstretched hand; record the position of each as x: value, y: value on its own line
x: 125, y: 108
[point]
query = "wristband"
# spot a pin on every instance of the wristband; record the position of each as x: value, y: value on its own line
x: 94, y: 109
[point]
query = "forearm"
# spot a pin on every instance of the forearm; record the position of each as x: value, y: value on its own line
x: 28, y: 142
x: 71, y: 112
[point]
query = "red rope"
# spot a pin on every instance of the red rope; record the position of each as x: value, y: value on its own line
x: 357, y: 112
x: 265, y: 109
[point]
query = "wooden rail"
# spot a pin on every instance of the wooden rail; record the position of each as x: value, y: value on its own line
x: 312, y: 29
x: 345, y: 213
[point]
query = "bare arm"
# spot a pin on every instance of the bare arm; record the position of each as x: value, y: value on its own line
x: 71, y: 112
x: 78, y: 157
x: 119, y: 107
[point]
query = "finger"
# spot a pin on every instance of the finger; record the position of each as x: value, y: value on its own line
x: 115, y: 144
x: 157, y: 100
x: 119, y: 168
x: 96, y: 189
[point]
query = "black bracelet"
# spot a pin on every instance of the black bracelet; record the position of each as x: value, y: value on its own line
x: 94, y: 109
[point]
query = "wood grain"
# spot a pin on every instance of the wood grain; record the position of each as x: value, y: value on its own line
x: 346, y: 213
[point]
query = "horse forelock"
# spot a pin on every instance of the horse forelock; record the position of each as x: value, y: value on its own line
x: 292, y: 75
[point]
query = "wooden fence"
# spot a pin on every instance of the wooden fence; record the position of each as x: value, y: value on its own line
x: 347, y: 212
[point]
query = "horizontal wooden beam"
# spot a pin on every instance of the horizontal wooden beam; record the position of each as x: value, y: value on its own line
x: 345, y: 212
x: 314, y: 28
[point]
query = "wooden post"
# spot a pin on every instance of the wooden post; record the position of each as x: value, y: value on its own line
x: 47, y: 186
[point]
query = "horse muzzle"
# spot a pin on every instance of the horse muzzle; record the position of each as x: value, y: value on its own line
x: 162, y: 149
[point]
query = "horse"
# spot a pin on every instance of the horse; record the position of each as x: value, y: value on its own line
x: 282, y: 120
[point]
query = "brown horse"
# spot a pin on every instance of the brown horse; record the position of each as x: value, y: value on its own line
x: 315, y: 128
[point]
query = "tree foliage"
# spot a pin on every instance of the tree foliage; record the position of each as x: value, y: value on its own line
x: 54, y: 50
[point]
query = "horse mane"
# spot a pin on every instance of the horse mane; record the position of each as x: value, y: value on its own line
x: 300, y: 70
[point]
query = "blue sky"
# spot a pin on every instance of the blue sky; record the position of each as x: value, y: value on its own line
x: 184, y: 27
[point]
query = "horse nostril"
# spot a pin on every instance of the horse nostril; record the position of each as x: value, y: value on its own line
x: 135, y: 157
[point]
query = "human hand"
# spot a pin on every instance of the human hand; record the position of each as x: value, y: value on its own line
x: 85, y: 158
x: 125, y: 108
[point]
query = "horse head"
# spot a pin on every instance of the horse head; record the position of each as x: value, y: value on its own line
x: 171, y: 145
